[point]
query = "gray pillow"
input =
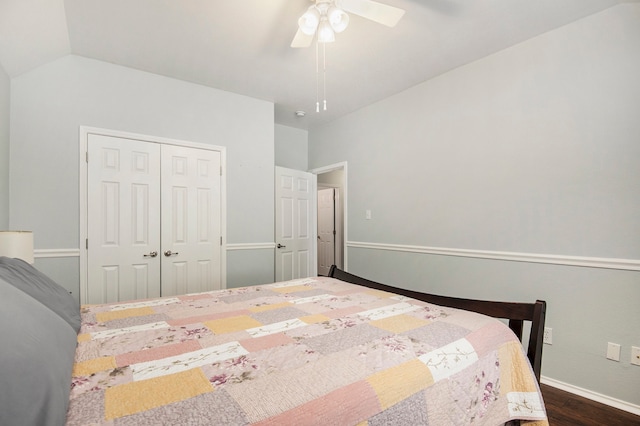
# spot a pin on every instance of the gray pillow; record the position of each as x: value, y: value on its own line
x: 25, y: 277
x: 36, y: 361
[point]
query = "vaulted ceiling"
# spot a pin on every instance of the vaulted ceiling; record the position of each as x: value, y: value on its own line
x: 242, y: 46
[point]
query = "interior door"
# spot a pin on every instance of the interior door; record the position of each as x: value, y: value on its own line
x: 326, y: 230
x: 123, y: 219
x: 191, y: 223
x: 295, y: 236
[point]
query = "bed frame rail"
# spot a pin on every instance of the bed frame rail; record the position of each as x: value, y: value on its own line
x: 515, y: 312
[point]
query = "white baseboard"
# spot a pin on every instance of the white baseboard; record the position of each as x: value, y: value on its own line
x: 594, y: 396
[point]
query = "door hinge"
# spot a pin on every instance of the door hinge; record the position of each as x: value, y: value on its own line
x: 86, y: 157
x: 220, y: 240
x: 220, y: 170
x: 86, y: 244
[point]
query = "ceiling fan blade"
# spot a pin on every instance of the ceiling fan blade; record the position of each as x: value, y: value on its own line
x: 377, y: 12
x: 301, y: 39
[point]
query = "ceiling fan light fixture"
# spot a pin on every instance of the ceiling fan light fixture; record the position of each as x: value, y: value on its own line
x: 308, y: 22
x: 325, y: 32
x: 338, y: 19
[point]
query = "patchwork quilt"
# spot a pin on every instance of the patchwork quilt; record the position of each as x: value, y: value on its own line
x: 315, y: 351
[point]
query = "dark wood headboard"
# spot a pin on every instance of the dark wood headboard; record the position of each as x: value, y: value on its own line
x: 515, y: 312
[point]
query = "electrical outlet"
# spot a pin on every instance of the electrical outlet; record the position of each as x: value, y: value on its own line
x: 635, y: 355
x: 547, y: 337
x: 613, y: 351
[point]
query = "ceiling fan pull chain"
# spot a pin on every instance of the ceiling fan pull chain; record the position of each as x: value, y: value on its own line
x: 324, y: 74
x: 317, y: 78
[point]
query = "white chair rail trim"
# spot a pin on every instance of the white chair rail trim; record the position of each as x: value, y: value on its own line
x: 591, y: 262
x: 48, y: 253
x: 40, y: 253
x: 250, y: 246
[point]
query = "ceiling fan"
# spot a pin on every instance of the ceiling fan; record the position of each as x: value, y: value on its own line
x: 327, y: 17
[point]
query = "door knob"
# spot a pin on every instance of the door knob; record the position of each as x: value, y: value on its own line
x: 170, y: 253
x: 152, y: 254
x: 280, y: 246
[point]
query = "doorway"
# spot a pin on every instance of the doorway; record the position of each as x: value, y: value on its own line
x: 331, y: 214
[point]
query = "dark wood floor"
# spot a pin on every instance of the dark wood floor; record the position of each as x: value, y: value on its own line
x: 567, y: 409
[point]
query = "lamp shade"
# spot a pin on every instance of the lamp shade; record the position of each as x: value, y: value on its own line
x: 17, y: 244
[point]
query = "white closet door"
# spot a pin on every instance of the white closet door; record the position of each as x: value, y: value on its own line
x: 191, y: 220
x: 123, y: 219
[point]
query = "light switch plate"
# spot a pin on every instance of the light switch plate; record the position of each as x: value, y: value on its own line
x: 613, y: 351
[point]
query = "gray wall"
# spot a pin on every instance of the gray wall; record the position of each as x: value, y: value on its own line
x: 534, y: 150
x: 5, y: 99
x: 291, y: 147
x: 50, y: 103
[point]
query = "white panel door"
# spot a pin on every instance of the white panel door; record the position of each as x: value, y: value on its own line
x: 295, y: 238
x: 191, y: 220
x: 326, y: 230
x: 123, y: 219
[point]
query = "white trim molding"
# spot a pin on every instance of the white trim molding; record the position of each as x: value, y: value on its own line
x: 591, y: 262
x: 44, y: 253
x: 250, y: 246
x: 594, y: 396
x: 74, y: 252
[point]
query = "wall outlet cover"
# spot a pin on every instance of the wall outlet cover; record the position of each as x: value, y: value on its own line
x: 547, y: 337
x: 635, y: 355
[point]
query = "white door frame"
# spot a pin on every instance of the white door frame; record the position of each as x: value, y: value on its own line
x: 330, y: 168
x: 84, y: 133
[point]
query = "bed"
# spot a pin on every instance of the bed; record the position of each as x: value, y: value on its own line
x: 324, y: 350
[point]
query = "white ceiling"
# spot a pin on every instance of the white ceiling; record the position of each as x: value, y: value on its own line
x: 242, y: 46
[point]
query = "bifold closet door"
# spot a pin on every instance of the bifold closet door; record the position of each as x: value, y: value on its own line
x: 123, y: 219
x: 154, y: 219
x: 191, y: 232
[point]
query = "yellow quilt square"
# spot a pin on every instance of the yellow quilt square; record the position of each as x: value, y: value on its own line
x: 399, y: 323
x: 314, y: 319
x: 400, y: 382
x: 512, y: 363
x: 231, y: 324
x: 124, y: 313
x: 380, y: 294
x: 134, y: 397
x: 87, y: 368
